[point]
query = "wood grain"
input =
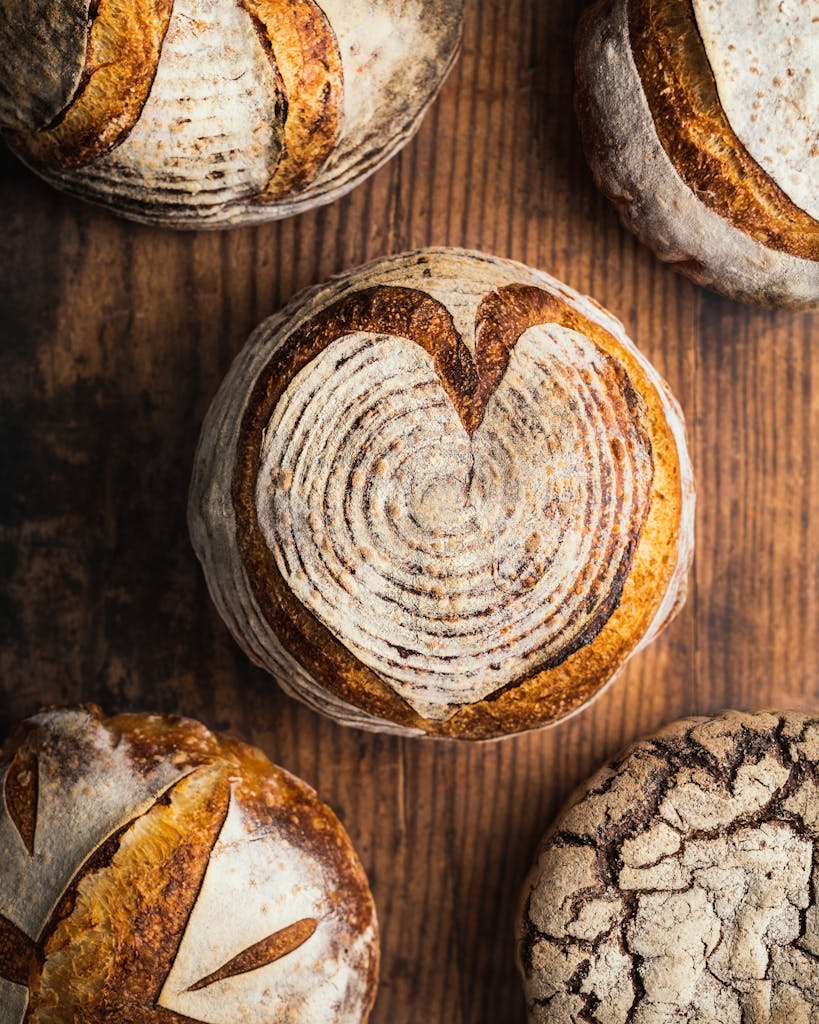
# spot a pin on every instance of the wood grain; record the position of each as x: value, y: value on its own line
x: 114, y: 338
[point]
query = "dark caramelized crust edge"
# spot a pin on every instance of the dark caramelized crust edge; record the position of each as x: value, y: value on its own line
x: 694, y: 131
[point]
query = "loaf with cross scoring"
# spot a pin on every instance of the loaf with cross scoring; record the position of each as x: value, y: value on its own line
x: 443, y: 495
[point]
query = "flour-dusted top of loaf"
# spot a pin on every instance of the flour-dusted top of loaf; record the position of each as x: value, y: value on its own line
x: 154, y: 871
x: 680, y: 882
x: 765, y: 59
x: 210, y: 112
x: 439, y: 477
x: 662, y: 121
x: 454, y: 561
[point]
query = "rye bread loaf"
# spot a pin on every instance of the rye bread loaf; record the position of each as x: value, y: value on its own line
x: 680, y: 882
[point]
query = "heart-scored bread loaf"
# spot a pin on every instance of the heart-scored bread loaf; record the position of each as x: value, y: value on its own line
x: 153, y: 872
x: 680, y: 883
x: 700, y: 120
x: 443, y: 494
x: 209, y: 113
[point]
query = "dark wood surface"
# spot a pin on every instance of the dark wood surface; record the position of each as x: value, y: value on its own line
x: 114, y: 338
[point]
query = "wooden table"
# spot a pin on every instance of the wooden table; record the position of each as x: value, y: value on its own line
x: 114, y: 338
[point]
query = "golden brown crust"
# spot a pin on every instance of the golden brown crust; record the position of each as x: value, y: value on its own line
x: 153, y: 876
x: 124, y: 45
x: 642, y: 579
x: 306, y: 55
x: 106, y: 951
x: 694, y: 131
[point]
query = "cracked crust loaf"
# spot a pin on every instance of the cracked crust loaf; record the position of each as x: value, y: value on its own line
x: 443, y: 495
x: 680, y: 882
x: 154, y: 872
x: 211, y: 113
x: 700, y: 120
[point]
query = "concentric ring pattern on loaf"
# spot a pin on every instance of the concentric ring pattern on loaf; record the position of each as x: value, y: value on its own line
x: 443, y: 494
x: 680, y: 882
x: 209, y: 113
x: 700, y: 120
x: 156, y: 873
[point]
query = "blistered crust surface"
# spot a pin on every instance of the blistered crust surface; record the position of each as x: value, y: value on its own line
x: 403, y: 502
x: 680, y: 882
x: 764, y: 59
x: 633, y: 169
x: 217, y: 889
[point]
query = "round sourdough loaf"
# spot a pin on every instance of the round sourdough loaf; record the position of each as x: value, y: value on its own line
x: 156, y: 873
x: 680, y: 882
x: 443, y: 494
x: 700, y: 120
x: 209, y: 113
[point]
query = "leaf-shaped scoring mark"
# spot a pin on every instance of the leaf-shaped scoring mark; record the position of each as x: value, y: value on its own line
x: 21, y: 793
x: 262, y: 953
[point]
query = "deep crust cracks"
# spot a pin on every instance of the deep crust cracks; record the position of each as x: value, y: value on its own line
x: 731, y: 934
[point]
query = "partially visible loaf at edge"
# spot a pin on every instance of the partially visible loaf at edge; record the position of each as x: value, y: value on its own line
x: 700, y: 120
x: 154, y: 872
x: 679, y: 883
x: 213, y: 113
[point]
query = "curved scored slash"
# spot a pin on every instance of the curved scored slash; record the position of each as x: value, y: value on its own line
x: 308, y: 60
x: 679, y: 85
x: 20, y: 793
x: 124, y: 46
x: 273, y: 948
x: 502, y: 318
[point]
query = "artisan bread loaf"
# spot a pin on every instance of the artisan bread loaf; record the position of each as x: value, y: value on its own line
x: 207, y: 113
x: 445, y: 495
x: 680, y: 882
x: 701, y: 122
x: 153, y: 872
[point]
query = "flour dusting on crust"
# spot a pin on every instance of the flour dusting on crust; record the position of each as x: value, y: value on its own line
x: 679, y: 884
x: 765, y: 59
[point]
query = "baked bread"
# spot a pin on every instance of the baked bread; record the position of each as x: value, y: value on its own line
x: 700, y: 120
x: 680, y: 882
x: 445, y: 495
x: 208, y: 113
x: 156, y: 873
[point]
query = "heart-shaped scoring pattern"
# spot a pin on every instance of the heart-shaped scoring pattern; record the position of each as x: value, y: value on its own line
x: 455, y: 523
x: 443, y: 494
